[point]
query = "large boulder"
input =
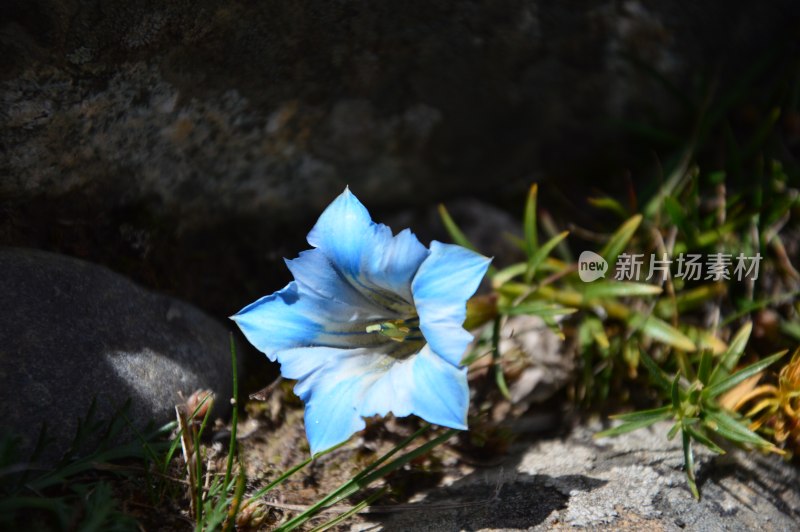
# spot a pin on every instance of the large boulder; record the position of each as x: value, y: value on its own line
x: 72, y: 333
x: 204, y: 135
x: 212, y: 106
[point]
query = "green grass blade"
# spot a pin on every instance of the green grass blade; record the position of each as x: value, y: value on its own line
x: 673, y: 182
x: 499, y: 377
x: 628, y: 427
x: 531, y: 237
x: 290, y: 472
x: 702, y: 439
x: 453, y: 230
x: 724, y: 385
x: 542, y: 253
x: 609, y: 204
x: 791, y: 328
x: 538, y: 308
x: 674, y: 430
x: 660, y: 378
x: 675, y: 393
x: 728, y: 427
x: 364, y: 479
x: 458, y: 236
x: 508, y: 273
x: 688, y: 462
x: 352, y: 511
x: 731, y: 356
x: 645, y: 414
x: 234, y: 414
x: 704, y: 371
x: 662, y: 331
x: 677, y: 215
x: 233, y: 511
x: 619, y: 240
x: 603, y: 289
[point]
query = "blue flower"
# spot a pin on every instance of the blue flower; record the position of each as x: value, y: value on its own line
x: 371, y: 324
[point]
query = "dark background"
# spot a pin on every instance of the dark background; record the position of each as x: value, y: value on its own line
x: 190, y: 145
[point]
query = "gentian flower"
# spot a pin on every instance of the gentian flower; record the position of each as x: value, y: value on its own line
x: 371, y: 324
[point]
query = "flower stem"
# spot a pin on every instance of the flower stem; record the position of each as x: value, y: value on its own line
x: 234, y: 414
x: 497, y: 365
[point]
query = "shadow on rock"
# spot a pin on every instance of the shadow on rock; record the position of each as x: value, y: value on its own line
x: 751, y: 482
x: 497, y: 498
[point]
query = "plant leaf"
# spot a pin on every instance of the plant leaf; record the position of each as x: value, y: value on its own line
x: 726, y: 426
x: 656, y: 373
x: 538, y: 308
x: 601, y: 289
x: 327, y: 525
x: 453, y: 230
x: 610, y: 204
x: 675, y: 429
x: 508, y: 273
x: 676, y: 214
x: 658, y: 413
x: 703, y: 439
x: 732, y: 355
x: 715, y: 389
x: 675, y: 393
x: 499, y: 376
x: 662, y: 331
x: 688, y: 462
x: 632, y: 425
x: 531, y: 238
x: 704, y: 372
x: 616, y: 244
x: 542, y: 253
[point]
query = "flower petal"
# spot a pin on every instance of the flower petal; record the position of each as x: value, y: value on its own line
x: 331, y: 383
x: 379, y: 265
x: 316, y: 274
x: 344, y: 230
x: 441, y: 393
x: 444, y: 282
x: 423, y: 384
x: 391, y: 392
x: 297, y: 317
x: 331, y: 416
x: 341, y: 386
x: 392, y: 263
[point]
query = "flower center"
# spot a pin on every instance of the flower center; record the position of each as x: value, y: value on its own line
x: 398, y: 330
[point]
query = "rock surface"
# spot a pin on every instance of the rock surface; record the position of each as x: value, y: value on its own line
x: 207, y: 107
x: 72, y: 331
x: 632, y: 482
x: 205, y: 136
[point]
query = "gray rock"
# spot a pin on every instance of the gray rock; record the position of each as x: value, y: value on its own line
x: 633, y: 482
x: 72, y: 332
x: 207, y: 107
x: 207, y: 135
